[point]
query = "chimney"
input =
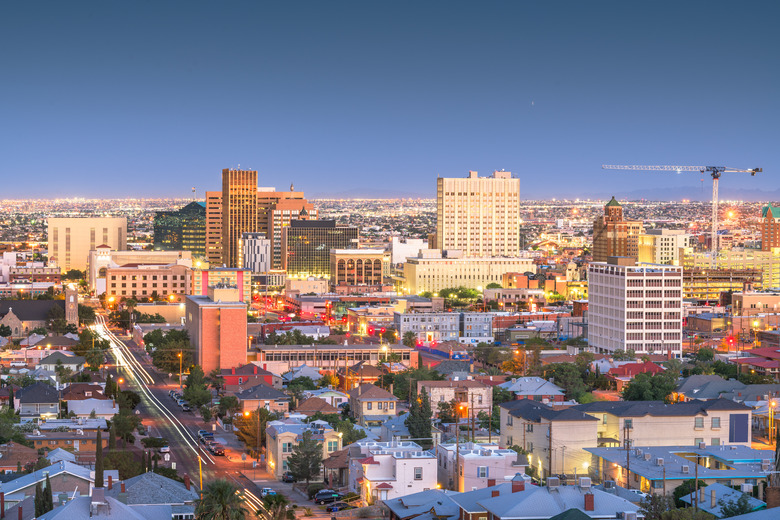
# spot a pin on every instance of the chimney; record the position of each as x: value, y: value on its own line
x: 518, y: 485
x: 122, y: 487
x: 491, y: 482
x: 590, y: 504
x: 110, y: 482
x: 187, y: 481
x: 713, y: 499
x: 494, y: 493
x: 233, y: 371
x: 255, y: 369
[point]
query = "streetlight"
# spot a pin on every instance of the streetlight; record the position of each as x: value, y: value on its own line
x: 772, y: 405
x: 180, y: 385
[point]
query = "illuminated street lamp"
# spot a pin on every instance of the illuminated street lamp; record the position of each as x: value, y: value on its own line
x: 180, y: 385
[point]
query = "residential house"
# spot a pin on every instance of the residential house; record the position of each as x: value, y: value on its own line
x: 303, y: 370
x: 452, y: 366
x: 313, y: 405
x: 623, y: 374
x: 39, y: 400
x: 98, y: 506
x: 93, y: 407
x: 75, y: 440
x: 332, y: 396
x: 336, y: 468
x: 555, y: 438
x: 247, y: 376
x: 263, y: 396
x: 150, y: 489
x: 358, y: 374
x: 371, y: 405
x: 386, y: 470
x: 764, y: 360
x: 534, y: 388
x: 74, y: 423
x: 73, y: 363
x: 706, y: 387
x: 281, y: 436
x: 716, y: 422
x: 469, y: 466
x: 711, y: 499
x: 14, y: 456
x: 433, y: 504
x: 79, y: 391
x: 472, y: 396
x: 54, y: 342
x: 395, y: 429
x: 5, y: 393
x: 661, y: 469
x: 64, y: 476
x: 515, y: 500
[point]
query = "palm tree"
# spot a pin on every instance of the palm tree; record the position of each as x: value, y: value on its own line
x: 220, y: 501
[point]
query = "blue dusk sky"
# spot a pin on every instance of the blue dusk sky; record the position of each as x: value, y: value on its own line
x: 150, y: 98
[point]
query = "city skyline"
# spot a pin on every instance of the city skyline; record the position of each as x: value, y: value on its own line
x: 109, y: 100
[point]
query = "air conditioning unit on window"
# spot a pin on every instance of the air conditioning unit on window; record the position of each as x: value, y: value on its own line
x: 686, y: 469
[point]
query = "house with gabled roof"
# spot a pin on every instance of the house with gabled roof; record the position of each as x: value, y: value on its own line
x: 39, y: 400
x: 313, y: 405
x: 371, y: 405
x: 263, y: 396
x: 535, y: 388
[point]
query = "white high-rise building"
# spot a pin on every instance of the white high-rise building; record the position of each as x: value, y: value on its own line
x: 256, y: 252
x: 635, y: 307
x: 479, y: 215
x: 663, y: 246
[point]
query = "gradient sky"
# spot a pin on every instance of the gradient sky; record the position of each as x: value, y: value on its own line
x: 145, y: 98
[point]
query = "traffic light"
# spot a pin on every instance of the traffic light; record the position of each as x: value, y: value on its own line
x: 730, y: 341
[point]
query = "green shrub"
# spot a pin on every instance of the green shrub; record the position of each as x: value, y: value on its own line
x: 313, y: 489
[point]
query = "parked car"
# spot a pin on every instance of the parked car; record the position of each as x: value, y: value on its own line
x: 217, y: 449
x: 326, y: 496
x: 267, y: 491
x: 165, y: 449
x: 186, y: 408
x: 206, y: 439
x: 338, y: 506
x: 288, y: 477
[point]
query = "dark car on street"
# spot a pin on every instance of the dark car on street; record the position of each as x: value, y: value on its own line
x: 326, y: 496
x: 288, y: 477
x: 338, y: 506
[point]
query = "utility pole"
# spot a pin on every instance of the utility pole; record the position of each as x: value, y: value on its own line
x: 627, y: 442
x: 696, y: 484
x: 472, y: 417
x: 664, y: 479
x: 549, y: 449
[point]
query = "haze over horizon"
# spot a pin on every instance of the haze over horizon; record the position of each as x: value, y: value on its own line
x: 140, y: 100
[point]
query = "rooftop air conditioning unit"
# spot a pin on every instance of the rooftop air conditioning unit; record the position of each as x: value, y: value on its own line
x: 659, y: 461
x: 686, y: 469
x: 553, y: 482
x: 702, y: 445
x: 638, y: 452
x: 765, y: 465
x: 746, y: 488
x: 585, y: 482
x: 648, y: 456
x: 629, y: 515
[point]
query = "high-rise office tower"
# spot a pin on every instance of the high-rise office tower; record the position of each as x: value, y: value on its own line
x: 71, y: 239
x: 479, y: 215
x: 614, y: 236
x: 239, y: 212
x: 275, y: 210
x: 181, y: 230
x: 214, y: 227
x: 770, y: 227
x: 307, y: 245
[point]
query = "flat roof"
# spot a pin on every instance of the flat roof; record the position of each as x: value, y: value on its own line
x: 390, y: 348
x: 205, y: 301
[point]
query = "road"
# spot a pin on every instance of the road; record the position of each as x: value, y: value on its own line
x: 165, y: 419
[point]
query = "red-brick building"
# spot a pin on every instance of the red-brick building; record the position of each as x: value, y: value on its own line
x: 217, y: 327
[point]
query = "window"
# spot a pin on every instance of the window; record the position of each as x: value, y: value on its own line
x: 333, y: 446
x: 369, y: 406
x: 240, y: 380
x: 604, y: 419
x: 698, y: 423
x: 628, y: 424
x: 482, y: 471
x: 509, y: 420
x: 698, y: 440
x: 715, y: 423
x: 392, y: 406
x: 479, y: 399
x: 417, y: 473
x: 287, y: 447
x: 715, y: 441
x: 529, y: 428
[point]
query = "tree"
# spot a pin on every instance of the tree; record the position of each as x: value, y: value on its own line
x: 409, y: 339
x: 216, y: 380
x: 493, y: 285
x: 195, y: 391
x: 329, y: 380
x: 127, y: 399
x: 220, y: 501
x: 95, y: 358
x: 737, y: 507
x: 705, y: 355
x: 48, y: 496
x: 513, y: 366
x: 568, y: 376
x: 125, y: 422
x: 419, y: 420
x: 303, y: 383
x: 112, y: 438
x: 501, y: 395
x: 99, y: 460
x: 490, y: 420
x: 447, y: 411
x: 248, y: 428
x: 349, y: 433
x: 39, y: 501
x: 686, y: 488
x: 654, y: 506
x: 86, y: 315
x: 645, y: 387
x: 228, y: 405
x: 5, y: 331
x: 624, y: 355
x: 205, y: 412
x: 276, y: 508
x: 306, y: 458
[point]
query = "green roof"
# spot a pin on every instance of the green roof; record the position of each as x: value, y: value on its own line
x: 613, y: 202
x: 571, y: 514
x: 766, y: 209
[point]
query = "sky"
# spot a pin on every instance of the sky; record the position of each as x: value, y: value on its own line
x: 377, y: 98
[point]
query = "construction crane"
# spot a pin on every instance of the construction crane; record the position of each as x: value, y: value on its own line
x: 714, y: 171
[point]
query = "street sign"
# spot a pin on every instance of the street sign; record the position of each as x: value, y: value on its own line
x: 254, y: 463
x: 243, y: 457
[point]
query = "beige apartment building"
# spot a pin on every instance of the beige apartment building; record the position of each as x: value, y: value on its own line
x: 738, y: 260
x: 479, y: 215
x: 141, y: 282
x: 214, y: 227
x: 663, y: 246
x: 104, y: 258
x: 434, y: 270
x: 71, y: 239
x: 239, y: 212
x: 357, y: 266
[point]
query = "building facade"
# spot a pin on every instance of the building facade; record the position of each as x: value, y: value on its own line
x: 615, y: 236
x: 239, y: 212
x: 635, y: 307
x: 216, y: 324
x: 770, y: 227
x: 182, y: 230
x: 387, y: 470
x: 256, y: 252
x: 275, y: 211
x: 214, y: 227
x: 140, y: 282
x: 475, y: 465
x: 479, y: 215
x: 434, y: 270
x: 429, y: 327
x: 307, y: 244
x: 357, y: 266
x: 472, y: 396
x: 102, y: 259
x: 663, y: 246
x: 71, y: 239
x: 202, y: 279
x: 732, y: 267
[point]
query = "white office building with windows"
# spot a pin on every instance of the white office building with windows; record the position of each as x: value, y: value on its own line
x: 635, y: 307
